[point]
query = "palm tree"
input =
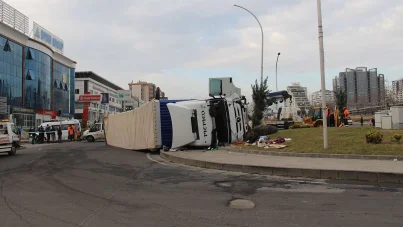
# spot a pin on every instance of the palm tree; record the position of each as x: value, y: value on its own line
x: 259, y: 97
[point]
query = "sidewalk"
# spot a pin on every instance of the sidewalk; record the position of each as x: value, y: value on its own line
x: 326, y: 168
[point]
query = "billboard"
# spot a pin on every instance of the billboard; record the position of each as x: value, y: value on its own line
x: 43, y: 35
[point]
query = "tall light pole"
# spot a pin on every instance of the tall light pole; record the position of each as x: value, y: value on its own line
x: 278, y: 55
x: 261, y: 29
x: 322, y: 74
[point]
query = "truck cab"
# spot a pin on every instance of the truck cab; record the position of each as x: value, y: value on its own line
x: 9, y: 139
x: 221, y: 118
x: 96, y: 132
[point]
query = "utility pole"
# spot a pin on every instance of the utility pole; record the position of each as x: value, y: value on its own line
x: 322, y: 75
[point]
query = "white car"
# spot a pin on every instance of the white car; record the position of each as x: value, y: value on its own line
x: 96, y: 132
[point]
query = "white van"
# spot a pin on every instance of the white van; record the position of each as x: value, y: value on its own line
x: 64, y: 125
x: 96, y: 132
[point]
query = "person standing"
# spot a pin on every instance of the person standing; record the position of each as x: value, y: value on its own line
x: 74, y: 132
x: 59, y: 134
x: 41, y: 134
x: 373, y: 122
x: 48, y: 132
x: 71, y: 132
x: 362, y: 121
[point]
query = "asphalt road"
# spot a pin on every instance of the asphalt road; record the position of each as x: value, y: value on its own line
x: 90, y: 184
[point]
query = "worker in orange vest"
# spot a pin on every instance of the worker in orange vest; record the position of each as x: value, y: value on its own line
x: 346, y: 115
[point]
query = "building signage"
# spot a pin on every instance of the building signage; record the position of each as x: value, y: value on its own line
x: 89, y: 98
x: 22, y: 110
x: 47, y: 112
x: 43, y: 35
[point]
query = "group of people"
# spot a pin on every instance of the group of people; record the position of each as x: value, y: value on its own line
x: 331, y: 122
x: 74, y: 132
x: 51, y: 131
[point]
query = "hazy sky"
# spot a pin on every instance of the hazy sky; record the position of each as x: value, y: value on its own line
x: 179, y: 44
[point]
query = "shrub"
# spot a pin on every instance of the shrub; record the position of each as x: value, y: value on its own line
x: 374, y: 137
x: 264, y: 130
x: 397, y: 137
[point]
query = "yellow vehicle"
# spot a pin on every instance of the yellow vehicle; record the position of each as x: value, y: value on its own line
x: 316, y: 120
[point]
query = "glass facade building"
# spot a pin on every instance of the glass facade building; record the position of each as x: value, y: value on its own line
x: 33, y: 83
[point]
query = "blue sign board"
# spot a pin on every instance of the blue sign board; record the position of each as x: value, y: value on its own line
x: 48, y: 38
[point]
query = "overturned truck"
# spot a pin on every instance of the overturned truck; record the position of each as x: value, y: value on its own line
x: 221, y: 118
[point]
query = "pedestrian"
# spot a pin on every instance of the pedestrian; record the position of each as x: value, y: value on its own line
x: 332, y: 123
x: 59, y: 134
x: 41, y: 131
x: 71, y: 132
x: 373, y: 122
x: 74, y: 132
x: 48, y: 132
x: 362, y: 121
x: 53, y: 133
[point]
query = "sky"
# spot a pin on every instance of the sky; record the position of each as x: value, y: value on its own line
x: 179, y: 44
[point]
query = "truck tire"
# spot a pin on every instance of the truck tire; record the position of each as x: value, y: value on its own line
x: 12, y: 151
x: 318, y: 123
x: 90, y: 139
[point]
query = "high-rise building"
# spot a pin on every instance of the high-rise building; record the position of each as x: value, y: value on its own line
x: 316, y: 99
x: 299, y: 96
x: 143, y: 90
x: 364, y: 88
x: 397, y: 87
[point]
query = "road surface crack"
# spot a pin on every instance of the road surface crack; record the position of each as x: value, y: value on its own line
x: 8, y: 204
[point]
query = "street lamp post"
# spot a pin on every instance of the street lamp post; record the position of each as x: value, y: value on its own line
x: 261, y: 29
x: 322, y: 74
x: 278, y: 55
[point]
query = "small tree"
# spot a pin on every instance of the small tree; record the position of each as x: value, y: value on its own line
x: 341, y: 99
x: 259, y: 96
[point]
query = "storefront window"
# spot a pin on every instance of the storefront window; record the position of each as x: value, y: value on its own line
x: 37, y: 77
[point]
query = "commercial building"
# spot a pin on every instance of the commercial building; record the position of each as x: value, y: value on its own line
x: 397, y: 90
x: 36, y: 79
x: 91, y: 83
x: 364, y: 88
x: 299, y: 96
x: 128, y: 102
x: 316, y: 99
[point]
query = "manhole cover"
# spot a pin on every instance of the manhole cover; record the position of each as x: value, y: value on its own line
x: 241, y: 204
x: 224, y: 184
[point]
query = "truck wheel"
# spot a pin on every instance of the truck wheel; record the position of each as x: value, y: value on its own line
x: 90, y: 139
x: 13, y: 151
x: 318, y: 124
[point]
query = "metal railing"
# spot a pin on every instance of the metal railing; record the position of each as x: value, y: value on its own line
x: 13, y: 18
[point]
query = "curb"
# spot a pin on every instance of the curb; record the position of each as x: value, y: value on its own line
x: 291, y: 172
x: 315, y: 155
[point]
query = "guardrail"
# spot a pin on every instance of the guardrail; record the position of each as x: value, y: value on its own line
x: 13, y: 18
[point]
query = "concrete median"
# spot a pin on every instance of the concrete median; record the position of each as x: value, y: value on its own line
x: 317, y: 173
